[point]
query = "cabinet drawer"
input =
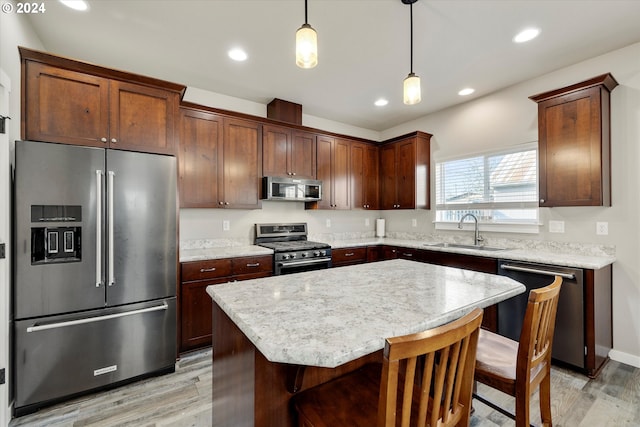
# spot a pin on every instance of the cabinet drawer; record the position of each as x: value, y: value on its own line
x: 249, y: 265
x: 346, y: 256
x: 209, y: 269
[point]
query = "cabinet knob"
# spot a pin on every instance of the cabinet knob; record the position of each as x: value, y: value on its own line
x: 221, y: 203
x: 541, y: 200
x: 114, y: 140
x: 103, y: 139
x: 293, y: 173
x: 226, y: 203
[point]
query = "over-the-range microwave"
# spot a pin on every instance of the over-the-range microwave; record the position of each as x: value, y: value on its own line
x: 291, y: 189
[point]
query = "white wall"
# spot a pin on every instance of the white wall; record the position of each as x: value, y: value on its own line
x: 508, y: 118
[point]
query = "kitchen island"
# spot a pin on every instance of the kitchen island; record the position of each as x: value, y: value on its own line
x: 277, y: 335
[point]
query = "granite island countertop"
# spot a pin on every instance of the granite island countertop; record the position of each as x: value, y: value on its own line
x: 329, y: 317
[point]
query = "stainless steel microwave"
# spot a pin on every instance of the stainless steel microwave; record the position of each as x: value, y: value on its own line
x: 291, y: 189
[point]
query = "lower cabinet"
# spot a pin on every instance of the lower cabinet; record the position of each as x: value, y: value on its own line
x: 195, y: 304
x: 348, y: 256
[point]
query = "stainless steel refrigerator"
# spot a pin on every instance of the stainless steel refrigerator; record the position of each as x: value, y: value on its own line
x: 94, y: 279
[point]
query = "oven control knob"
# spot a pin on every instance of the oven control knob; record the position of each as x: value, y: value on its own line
x: 293, y: 256
x: 285, y: 256
x: 323, y: 252
x: 304, y: 254
x: 316, y: 253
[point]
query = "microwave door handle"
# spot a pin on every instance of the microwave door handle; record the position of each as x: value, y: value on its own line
x: 112, y: 279
x: 99, y: 175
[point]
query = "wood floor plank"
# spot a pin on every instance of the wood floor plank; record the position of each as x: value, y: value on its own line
x: 183, y: 399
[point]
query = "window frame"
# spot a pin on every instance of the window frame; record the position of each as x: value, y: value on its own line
x: 519, y: 226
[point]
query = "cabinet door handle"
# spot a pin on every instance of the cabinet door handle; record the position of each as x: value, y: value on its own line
x: 207, y: 270
x: 349, y: 254
x: 541, y: 200
x: 407, y: 255
x: 221, y: 203
x: 114, y: 140
x: 103, y: 139
x: 255, y: 264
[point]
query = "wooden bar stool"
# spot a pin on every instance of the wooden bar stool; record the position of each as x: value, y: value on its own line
x: 392, y: 394
x: 517, y: 368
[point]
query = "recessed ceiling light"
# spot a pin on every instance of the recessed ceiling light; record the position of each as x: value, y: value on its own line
x: 237, y: 54
x: 75, y: 4
x: 526, y: 35
x: 466, y: 91
x: 381, y: 102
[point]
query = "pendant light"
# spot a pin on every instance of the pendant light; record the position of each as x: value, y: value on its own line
x: 306, y: 44
x: 412, y: 90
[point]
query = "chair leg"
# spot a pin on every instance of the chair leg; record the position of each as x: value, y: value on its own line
x: 522, y: 409
x: 545, y: 401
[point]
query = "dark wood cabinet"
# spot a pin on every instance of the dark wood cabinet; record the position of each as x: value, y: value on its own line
x: 333, y: 170
x: 348, y: 256
x: 404, y: 171
x: 219, y: 160
x: 71, y: 102
x: 199, y: 158
x: 195, y: 304
x: 574, y: 144
x: 241, y: 164
x: 364, y: 176
x: 288, y: 152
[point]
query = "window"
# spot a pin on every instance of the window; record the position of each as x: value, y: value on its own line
x: 499, y: 188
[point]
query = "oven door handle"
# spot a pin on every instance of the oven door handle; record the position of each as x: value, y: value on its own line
x: 305, y: 262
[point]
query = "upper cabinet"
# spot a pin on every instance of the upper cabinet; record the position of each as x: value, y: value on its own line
x: 219, y: 160
x: 288, y: 152
x: 242, y: 164
x: 404, y: 172
x: 72, y: 102
x: 333, y: 171
x: 365, y: 159
x: 574, y: 144
x: 199, y: 158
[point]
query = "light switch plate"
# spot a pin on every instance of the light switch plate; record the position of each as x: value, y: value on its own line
x: 328, y: 223
x: 225, y: 225
x: 556, y: 226
x: 414, y: 222
x: 367, y: 222
x: 602, y: 228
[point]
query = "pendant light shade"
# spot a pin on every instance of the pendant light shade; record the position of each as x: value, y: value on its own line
x: 412, y: 94
x: 306, y: 44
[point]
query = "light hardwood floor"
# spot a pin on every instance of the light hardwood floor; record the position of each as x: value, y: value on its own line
x: 184, y: 399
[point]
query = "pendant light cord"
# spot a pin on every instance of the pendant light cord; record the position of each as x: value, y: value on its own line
x: 305, y: 11
x: 411, y: 26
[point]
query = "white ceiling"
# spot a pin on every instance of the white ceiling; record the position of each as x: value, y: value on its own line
x: 363, y: 47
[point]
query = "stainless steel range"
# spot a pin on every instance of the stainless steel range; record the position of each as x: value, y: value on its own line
x: 293, y: 253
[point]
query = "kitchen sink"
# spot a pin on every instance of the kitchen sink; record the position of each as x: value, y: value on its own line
x: 461, y: 246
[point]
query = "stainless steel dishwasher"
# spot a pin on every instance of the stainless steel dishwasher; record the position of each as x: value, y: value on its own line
x: 569, y: 337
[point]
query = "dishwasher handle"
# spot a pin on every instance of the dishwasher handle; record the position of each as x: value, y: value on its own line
x: 568, y: 276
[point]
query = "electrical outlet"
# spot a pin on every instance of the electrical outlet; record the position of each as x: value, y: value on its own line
x: 556, y: 226
x: 328, y: 223
x: 367, y: 222
x: 602, y: 228
x: 414, y: 222
x: 225, y: 225
x: 2, y: 380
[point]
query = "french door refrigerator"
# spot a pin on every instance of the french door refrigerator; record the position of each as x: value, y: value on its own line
x: 95, y: 269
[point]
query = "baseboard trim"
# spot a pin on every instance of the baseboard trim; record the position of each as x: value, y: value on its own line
x: 626, y: 358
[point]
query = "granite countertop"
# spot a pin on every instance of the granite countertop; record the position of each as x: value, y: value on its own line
x: 575, y: 255
x: 329, y: 317
x: 560, y: 254
x: 200, y: 254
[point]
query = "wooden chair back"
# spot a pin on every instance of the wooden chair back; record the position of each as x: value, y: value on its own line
x: 538, y: 326
x: 430, y: 374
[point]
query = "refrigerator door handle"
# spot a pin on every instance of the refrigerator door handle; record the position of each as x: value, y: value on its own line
x: 99, y: 175
x: 36, y: 327
x: 112, y: 278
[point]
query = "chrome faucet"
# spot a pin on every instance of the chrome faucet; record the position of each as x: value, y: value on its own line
x: 476, y: 237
